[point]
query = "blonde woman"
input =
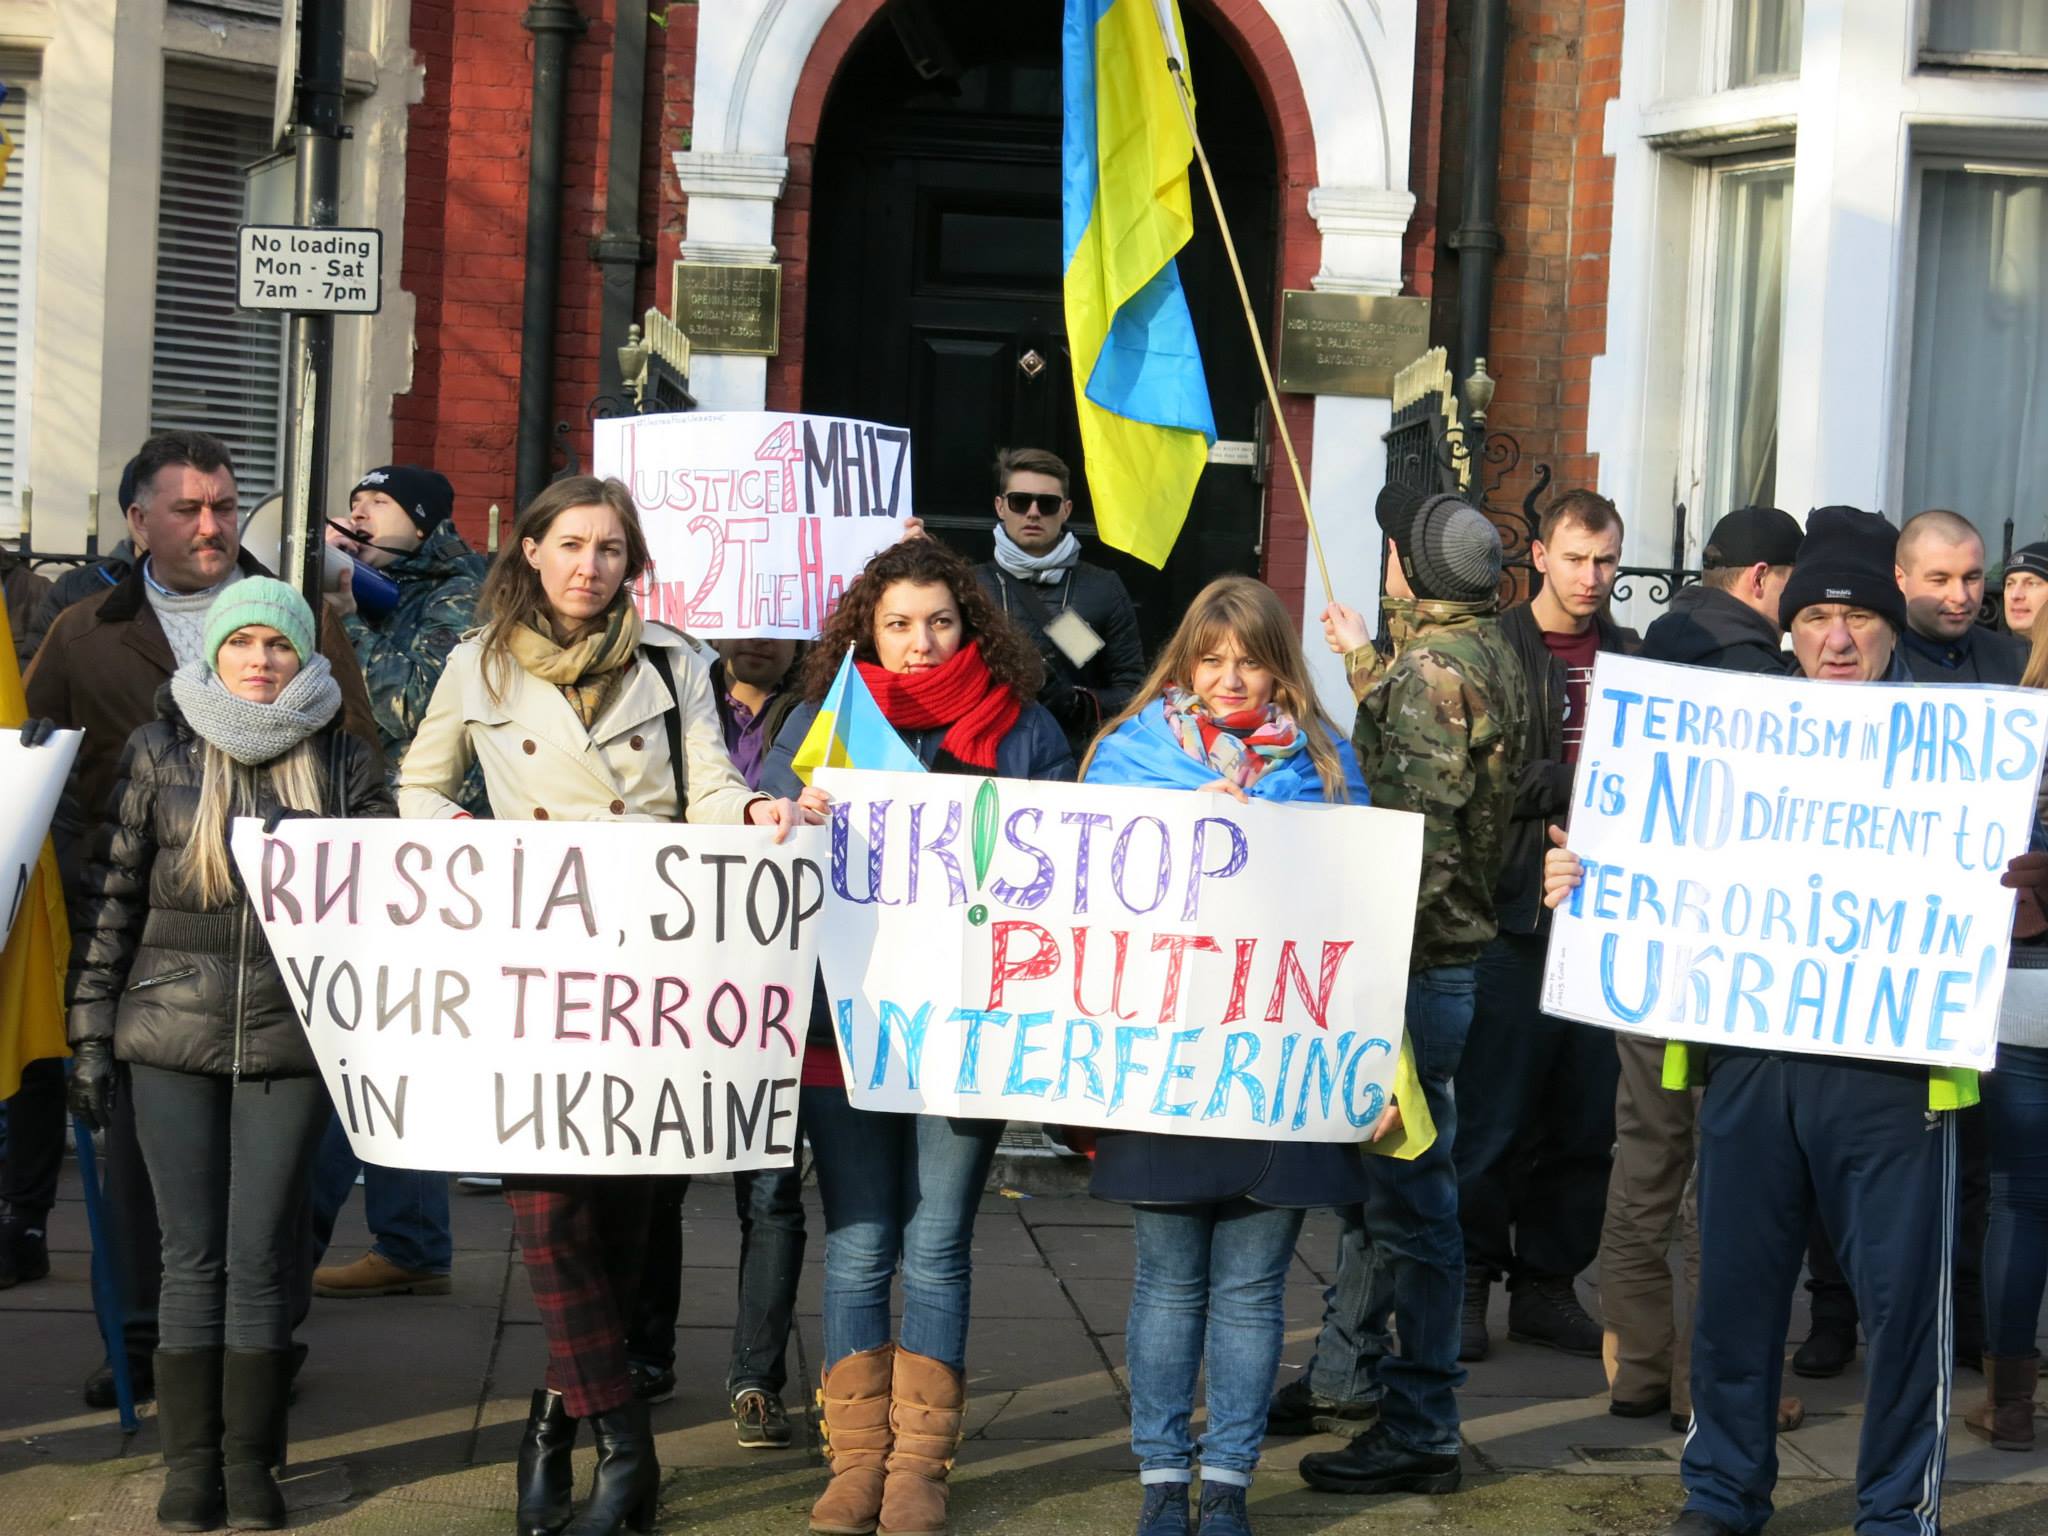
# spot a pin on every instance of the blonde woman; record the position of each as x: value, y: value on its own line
x: 577, y: 711
x: 171, y: 974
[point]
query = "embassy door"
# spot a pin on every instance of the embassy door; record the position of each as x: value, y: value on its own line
x: 935, y: 272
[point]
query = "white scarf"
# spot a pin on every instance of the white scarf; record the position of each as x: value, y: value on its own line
x: 1043, y: 569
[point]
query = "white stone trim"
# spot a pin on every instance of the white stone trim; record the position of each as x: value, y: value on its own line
x: 1362, y: 229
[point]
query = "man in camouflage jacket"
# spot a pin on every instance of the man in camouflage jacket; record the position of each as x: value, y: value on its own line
x: 399, y: 526
x: 1439, y: 732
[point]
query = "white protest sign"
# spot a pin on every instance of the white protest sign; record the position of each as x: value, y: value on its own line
x: 530, y: 998
x: 1135, y: 959
x: 31, y: 779
x: 756, y: 520
x: 1793, y: 865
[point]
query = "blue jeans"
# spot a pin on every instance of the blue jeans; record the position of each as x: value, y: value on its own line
x: 897, y: 1187
x: 2016, y: 1237
x: 1353, y: 1339
x: 1414, y: 1269
x: 1209, y: 1283
x: 407, y: 1210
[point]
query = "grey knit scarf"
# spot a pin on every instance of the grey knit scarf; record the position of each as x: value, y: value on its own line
x: 250, y: 733
x: 1045, y: 569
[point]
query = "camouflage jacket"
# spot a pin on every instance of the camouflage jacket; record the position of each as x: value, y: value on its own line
x: 403, y: 652
x: 1440, y: 732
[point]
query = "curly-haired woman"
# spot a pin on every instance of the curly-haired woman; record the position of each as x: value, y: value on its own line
x: 956, y: 679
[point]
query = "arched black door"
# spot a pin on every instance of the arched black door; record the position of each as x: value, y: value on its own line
x: 935, y: 270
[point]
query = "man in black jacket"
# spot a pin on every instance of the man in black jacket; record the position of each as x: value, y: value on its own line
x: 1079, y: 615
x: 1535, y: 1093
x: 1941, y: 571
x: 1728, y: 622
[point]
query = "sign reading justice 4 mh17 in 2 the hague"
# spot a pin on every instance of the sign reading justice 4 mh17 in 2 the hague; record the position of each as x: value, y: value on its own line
x: 528, y: 998
x: 757, y: 520
x: 1135, y: 959
x: 1793, y: 865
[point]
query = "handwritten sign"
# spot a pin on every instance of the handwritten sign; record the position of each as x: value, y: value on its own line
x: 547, y: 999
x: 31, y: 779
x: 756, y: 520
x: 1796, y: 866
x: 1136, y: 959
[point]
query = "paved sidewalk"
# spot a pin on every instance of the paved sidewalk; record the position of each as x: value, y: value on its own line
x: 411, y: 1408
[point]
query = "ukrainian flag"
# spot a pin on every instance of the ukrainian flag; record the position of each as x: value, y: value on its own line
x: 33, y: 962
x: 1143, y: 400
x: 852, y: 732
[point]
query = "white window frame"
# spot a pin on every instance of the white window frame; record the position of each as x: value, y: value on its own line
x: 21, y: 72
x: 1701, y: 333
x: 1717, y: 64
x: 1926, y: 56
x: 2005, y: 154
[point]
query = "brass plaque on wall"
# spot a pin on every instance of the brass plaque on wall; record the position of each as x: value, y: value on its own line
x: 1348, y: 343
x: 729, y: 308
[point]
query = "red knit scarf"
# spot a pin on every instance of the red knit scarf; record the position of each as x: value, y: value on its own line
x: 960, y: 694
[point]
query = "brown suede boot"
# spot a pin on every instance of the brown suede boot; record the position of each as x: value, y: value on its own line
x: 2006, y: 1416
x: 925, y: 1404
x: 854, y: 1396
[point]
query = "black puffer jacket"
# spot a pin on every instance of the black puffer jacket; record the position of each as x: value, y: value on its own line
x: 174, y: 986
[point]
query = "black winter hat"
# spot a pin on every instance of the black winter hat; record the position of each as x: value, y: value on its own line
x: 2032, y: 558
x: 1448, y: 548
x: 427, y: 497
x: 1848, y: 556
x: 1750, y: 536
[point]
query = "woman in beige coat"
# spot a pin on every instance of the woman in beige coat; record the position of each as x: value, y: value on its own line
x: 577, y: 711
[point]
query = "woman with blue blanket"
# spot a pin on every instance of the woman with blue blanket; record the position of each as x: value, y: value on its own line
x: 1228, y: 709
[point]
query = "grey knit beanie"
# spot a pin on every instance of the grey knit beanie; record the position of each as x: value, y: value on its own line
x: 1453, y: 552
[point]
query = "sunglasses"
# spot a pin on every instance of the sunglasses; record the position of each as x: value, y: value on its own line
x: 1047, y: 502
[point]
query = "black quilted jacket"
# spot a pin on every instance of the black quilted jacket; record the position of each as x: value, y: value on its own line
x: 174, y: 986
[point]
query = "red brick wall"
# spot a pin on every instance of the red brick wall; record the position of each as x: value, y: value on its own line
x: 464, y: 257
x: 1554, y: 215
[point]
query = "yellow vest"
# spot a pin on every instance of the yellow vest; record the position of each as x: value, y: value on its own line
x: 1947, y: 1087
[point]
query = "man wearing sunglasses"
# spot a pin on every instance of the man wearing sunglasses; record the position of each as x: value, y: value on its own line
x: 1080, y: 615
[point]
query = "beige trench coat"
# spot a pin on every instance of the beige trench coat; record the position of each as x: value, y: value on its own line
x: 539, y: 762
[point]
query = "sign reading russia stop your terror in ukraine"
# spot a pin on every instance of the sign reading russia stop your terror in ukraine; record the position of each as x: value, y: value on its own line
x: 756, y: 520
x: 1134, y: 959
x: 1796, y: 866
x: 526, y: 998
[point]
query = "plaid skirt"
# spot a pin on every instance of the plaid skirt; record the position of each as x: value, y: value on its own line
x: 583, y: 1242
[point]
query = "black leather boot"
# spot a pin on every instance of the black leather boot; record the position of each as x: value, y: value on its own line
x: 256, y: 1388
x: 547, y: 1488
x: 188, y: 1425
x: 628, y: 1481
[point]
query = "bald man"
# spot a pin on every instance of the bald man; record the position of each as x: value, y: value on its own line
x: 1941, y: 571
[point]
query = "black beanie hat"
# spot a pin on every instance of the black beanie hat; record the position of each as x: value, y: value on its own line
x: 1849, y: 557
x: 2031, y: 558
x: 427, y: 497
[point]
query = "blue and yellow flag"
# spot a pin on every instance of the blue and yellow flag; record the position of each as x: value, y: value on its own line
x: 1143, y: 400
x: 852, y: 732
x: 33, y: 962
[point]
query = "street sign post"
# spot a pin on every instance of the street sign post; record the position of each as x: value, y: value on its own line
x: 310, y: 270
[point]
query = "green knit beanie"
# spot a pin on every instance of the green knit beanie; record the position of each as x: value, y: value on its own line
x: 259, y: 600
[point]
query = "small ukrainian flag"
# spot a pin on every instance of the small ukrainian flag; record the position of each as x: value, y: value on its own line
x: 852, y: 732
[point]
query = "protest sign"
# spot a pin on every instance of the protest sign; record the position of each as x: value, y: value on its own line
x: 1135, y: 959
x: 1793, y: 865
x: 525, y: 998
x: 756, y: 520
x: 31, y: 779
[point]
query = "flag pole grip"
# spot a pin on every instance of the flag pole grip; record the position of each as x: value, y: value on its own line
x: 1251, y: 318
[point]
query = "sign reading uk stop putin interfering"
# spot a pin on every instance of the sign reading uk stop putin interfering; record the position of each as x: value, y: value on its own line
x: 1126, y: 958
x: 1794, y: 865
x: 756, y: 520
x: 532, y: 998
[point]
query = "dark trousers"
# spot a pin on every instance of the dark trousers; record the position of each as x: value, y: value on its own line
x: 2016, y: 1237
x: 35, y: 1143
x: 583, y: 1240
x: 770, y: 1207
x: 1779, y: 1137
x: 1535, y: 1124
x: 230, y: 1162
x: 132, y: 1233
x: 1834, y: 1302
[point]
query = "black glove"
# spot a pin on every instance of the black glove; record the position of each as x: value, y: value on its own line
x: 284, y: 813
x: 35, y: 732
x: 90, y: 1092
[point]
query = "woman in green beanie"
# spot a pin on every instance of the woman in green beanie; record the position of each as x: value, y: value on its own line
x: 171, y: 974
